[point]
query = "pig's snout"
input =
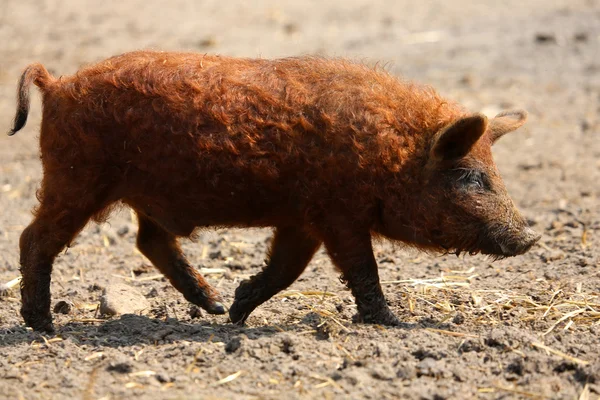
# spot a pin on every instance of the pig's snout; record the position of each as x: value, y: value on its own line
x: 526, y: 240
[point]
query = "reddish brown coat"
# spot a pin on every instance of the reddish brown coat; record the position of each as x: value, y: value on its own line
x: 314, y: 147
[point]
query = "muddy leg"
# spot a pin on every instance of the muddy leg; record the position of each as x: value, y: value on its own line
x: 290, y: 253
x: 163, y: 251
x: 54, y: 227
x: 353, y: 254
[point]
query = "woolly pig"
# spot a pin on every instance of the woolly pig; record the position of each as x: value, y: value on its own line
x: 325, y: 151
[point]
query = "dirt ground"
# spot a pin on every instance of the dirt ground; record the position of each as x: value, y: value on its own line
x: 525, y: 327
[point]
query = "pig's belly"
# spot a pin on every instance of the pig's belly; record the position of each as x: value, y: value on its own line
x: 181, y: 212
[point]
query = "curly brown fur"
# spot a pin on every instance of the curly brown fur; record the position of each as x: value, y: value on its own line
x: 320, y: 148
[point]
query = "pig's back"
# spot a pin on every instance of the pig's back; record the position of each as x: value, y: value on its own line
x: 275, y: 130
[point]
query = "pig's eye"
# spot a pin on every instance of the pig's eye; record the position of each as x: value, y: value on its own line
x: 473, y: 179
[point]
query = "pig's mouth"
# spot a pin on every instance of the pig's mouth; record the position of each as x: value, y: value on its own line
x: 514, y: 245
x: 497, y: 247
x: 472, y: 248
x: 521, y: 247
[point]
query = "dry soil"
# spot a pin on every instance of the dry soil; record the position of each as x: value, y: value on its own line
x: 525, y: 327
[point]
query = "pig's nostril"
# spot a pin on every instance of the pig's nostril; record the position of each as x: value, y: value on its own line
x: 532, y: 236
x: 527, y: 239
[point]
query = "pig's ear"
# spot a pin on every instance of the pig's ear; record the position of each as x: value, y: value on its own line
x: 455, y: 140
x: 505, y: 122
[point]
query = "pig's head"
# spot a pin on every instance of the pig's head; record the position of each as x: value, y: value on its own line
x: 459, y: 203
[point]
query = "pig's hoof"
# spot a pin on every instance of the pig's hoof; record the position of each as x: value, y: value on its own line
x: 243, y: 304
x: 43, y: 324
x: 378, y: 318
x: 208, y: 300
x: 48, y: 328
x: 237, y: 315
x: 216, y: 307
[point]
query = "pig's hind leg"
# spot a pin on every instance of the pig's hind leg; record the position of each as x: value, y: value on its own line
x: 162, y: 249
x: 65, y: 208
x: 290, y: 253
x: 352, y: 253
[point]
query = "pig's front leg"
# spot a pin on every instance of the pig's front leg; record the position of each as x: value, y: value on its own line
x: 291, y: 251
x: 352, y: 253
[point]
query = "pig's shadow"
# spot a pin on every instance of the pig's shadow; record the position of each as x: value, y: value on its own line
x: 135, y: 329
x: 132, y: 329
